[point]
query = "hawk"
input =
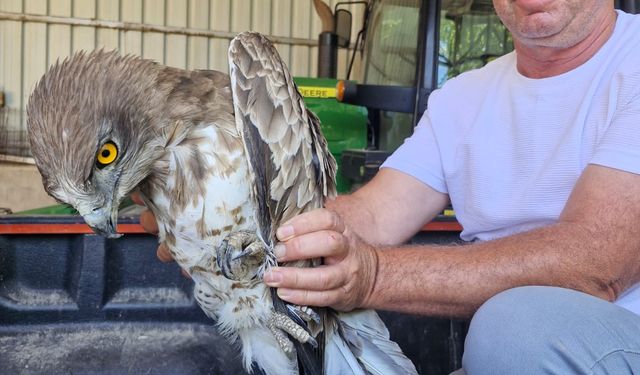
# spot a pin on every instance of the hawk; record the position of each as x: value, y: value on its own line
x: 221, y: 160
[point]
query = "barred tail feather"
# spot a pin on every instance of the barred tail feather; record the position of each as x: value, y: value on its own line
x: 339, y: 358
x: 366, y: 338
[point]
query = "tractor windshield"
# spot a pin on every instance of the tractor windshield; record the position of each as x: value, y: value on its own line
x: 470, y: 35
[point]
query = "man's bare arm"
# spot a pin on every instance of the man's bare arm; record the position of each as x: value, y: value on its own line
x: 594, y: 248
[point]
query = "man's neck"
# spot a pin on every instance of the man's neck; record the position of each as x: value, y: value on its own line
x: 542, y: 62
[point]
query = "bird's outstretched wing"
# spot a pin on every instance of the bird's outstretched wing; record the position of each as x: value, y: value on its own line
x: 293, y: 172
x: 292, y: 168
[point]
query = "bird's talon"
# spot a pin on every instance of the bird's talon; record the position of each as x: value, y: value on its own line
x: 279, y: 323
x: 240, y: 255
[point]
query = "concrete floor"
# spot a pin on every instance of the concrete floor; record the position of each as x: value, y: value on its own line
x: 21, y: 187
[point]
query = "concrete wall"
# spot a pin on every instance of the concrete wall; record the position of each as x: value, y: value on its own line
x: 21, y: 187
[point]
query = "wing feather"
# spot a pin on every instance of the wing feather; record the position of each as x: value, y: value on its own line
x: 290, y: 167
x: 292, y: 172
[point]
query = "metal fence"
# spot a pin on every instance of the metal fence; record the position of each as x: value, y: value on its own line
x: 14, y: 143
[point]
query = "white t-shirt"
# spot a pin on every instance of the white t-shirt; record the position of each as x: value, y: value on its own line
x: 508, y: 149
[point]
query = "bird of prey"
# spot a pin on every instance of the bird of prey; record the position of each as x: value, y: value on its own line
x: 221, y: 160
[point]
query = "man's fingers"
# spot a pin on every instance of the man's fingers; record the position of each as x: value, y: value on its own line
x: 163, y: 254
x: 185, y: 274
x: 317, y: 278
x: 312, y: 221
x: 136, y: 198
x: 148, y: 222
x: 312, y: 245
x: 311, y: 298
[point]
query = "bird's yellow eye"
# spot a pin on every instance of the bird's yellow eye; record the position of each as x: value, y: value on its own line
x: 107, y: 154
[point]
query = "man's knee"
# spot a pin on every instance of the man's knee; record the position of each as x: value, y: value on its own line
x: 501, y: 329
x: 537, y: 329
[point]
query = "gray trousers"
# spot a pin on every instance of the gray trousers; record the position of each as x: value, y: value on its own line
x: 548, y: 330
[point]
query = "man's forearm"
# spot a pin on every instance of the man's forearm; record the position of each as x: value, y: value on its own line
x: 593, y: 248
x: 456, y: 280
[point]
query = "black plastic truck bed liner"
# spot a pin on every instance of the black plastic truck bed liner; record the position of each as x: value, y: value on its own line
x: 72, y: 302
x: 116, y: 348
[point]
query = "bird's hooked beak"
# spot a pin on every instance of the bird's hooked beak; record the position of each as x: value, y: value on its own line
x: 102, y: 220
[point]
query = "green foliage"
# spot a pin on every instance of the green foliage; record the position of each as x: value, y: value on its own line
x: 469, y: 41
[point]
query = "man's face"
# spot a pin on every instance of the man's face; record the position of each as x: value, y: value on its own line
x: 551, y: 23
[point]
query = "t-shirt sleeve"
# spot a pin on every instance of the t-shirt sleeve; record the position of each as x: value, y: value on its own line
x: 419, y: 156
x: 620, y: 145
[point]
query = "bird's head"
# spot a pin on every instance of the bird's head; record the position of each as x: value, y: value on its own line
x: 91, y: 123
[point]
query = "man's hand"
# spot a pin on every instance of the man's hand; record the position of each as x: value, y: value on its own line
x: 150, y: 225
x: 348, y: 274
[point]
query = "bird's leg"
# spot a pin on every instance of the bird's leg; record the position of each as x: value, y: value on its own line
x: 280, y: 323
x: 240, y: 255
